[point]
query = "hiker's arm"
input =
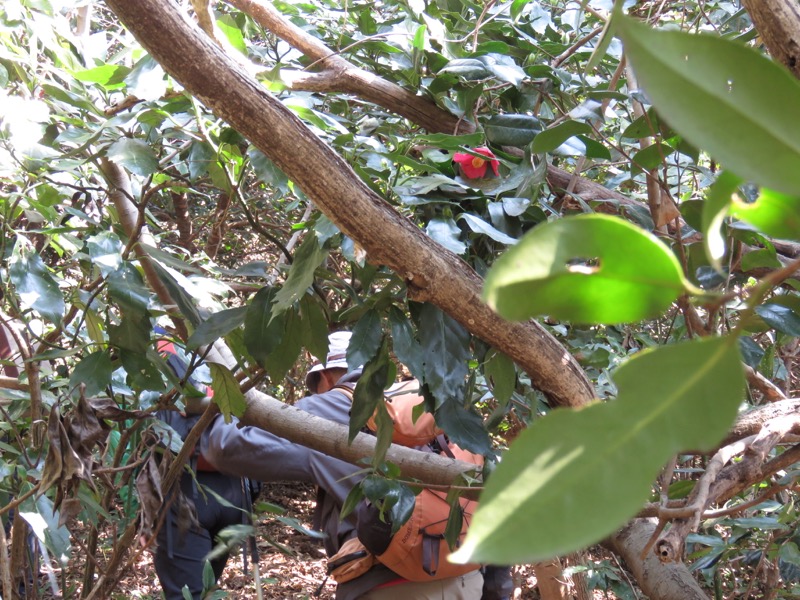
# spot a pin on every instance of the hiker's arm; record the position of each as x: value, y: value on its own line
x: 257, y: 454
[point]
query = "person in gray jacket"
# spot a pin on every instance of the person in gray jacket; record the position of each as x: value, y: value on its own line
x: 254, y: 453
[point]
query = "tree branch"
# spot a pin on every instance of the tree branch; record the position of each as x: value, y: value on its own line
x: 428, y: 269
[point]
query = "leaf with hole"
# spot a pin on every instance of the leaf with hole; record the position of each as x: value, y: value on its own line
x: 776, y: 214
x: 585, y: 269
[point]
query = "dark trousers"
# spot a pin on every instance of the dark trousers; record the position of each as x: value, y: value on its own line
x: 180, y: 555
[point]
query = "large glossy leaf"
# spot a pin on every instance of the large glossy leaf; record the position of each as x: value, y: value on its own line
x: 369, y: 390
x: 126, y: 287
x: 463, y: 426
x: 780, y: 317
x: 552, y: 138
x: 404, y: 344
x: 178, y: 292
x: 263, y: 330
x: 501, y: 375
x: 445, y: 352
x: 307, y: 258
x: 278, y: 362
x: 94, y: 370
x: 512, y: 130
x: 105, y: 250
x: 365, y: 341
x: 445, y: 231
x: 315, y: 325
x: 216, y: 326
x: 478, y: 225
x: 35, y: 285
x: 724, y: 97
x: 776, y: 214
x: 588, y: 269
x: 575, y: 476
x: 134, y: 155
x: 227, y: 394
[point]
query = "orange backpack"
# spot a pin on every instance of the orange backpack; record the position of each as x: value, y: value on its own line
x: 418, y: 551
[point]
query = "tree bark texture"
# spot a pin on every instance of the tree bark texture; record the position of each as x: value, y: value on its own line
x: 657, y: 580
x: 778, y: 24
x: 432, y: 274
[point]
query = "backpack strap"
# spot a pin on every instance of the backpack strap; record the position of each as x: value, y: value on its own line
x: 430, y: 553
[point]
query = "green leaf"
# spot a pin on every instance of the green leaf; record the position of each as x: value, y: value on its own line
x: 94, y: 370
x: 478, y: 225
x: 106, y: 75
x: 134, y: 155
x: 132, y: 333
x: 781, y: 318
x: 142, y: 371
x: 105, y: 250
x: 463, y: 426
x: 575, y: 476
x: 715, y: 209
x: 445, y: 352
x: 404, y: 344
x: 366, y: 339
x: 724, y: 97
x: 763, y: 258
x: 315, y: 325
x: 147, y: 80
x: 501, y: 375
x: 201, y: 155
x: 586, y: 269
x: 227, y: 394
x: 263, y: 331
x: 216, y: 326
x: 550, y: 139
x: 278, y: 362
x: 445, y: 232
x: 776, y: 214
x: 450, y: 142
x: 511, y: 129
x: 390, y: 496
x: 177, y: 292
x: 227, y: 25
x: 470, y: 69
x: 306, y: 260
x: 644, y: 126
x: 34, y: 284
x: 384, y: 434
x: 41, y: 515
x: 266, y: 170
x: 127, y: 288
x: 369, y: 390
x: 651, y: 156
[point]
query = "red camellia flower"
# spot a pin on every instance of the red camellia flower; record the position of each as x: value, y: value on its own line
x: 474, y: 167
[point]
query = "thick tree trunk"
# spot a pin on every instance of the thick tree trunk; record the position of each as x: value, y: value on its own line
x: 778, y: 24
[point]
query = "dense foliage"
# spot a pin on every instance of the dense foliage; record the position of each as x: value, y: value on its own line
x: 663, y: 280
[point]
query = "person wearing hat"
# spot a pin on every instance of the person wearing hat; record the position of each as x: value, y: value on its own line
x: 257, y: 454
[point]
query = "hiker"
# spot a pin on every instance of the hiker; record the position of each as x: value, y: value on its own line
x: 255, y: 453
x: 195, y: 516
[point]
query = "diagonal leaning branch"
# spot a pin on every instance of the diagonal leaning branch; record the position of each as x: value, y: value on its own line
x: 432, y: 273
